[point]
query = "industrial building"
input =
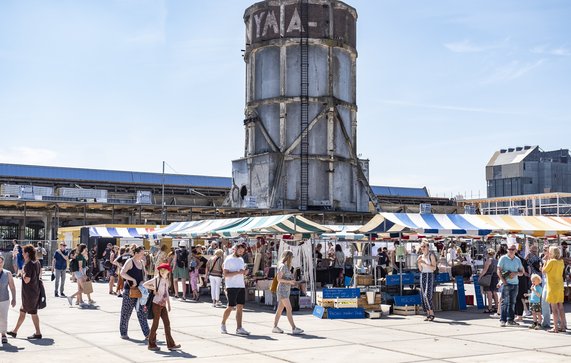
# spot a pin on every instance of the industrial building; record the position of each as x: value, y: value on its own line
x: 528, y: 170
x: 301, y: 110
x: 44, y: 198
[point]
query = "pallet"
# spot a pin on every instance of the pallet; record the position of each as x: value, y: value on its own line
x: 406, y: 310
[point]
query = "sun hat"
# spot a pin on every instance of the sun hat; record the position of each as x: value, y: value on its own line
x: 165, y: 266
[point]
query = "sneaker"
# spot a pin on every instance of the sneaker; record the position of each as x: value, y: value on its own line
x: 527, y: 314
x: 56, y: 294
x: 92, y: 302
x: 62, y: 294
x: 154, y: 349
x: 532, y: 326
x: 277, y: 330
x: 538, y: 327
x: 4, y: 339
x: 218, y: 304
x: 495, y: 315
x: 223, y: 329
x: 512, y: 323
x: 69, y: 300
x: 297, y: 331
x: 125, y: 337
x: 242, y: 331
x: 502, y: 324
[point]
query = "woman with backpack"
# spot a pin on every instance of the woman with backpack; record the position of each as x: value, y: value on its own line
x: 214, y: 272
x: 180, y: 268
x: 427, y: 264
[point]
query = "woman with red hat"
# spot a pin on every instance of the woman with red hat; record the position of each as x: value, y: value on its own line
x: 161, y: 306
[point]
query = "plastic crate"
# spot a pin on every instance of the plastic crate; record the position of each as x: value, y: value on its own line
x: 352, y: 313
x: 407, y: 300
x: 341, y: 293
x: 394, y: 280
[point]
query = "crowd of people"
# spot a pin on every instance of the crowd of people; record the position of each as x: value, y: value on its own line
x: 145, y: 281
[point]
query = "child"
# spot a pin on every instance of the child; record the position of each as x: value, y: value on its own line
x: 161, y: 306
x: 535, y: 301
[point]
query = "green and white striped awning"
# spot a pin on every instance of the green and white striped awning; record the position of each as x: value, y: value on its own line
x: 283, y: 224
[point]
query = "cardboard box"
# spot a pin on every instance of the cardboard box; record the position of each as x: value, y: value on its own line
x: 345, y: 303
x: 437, y: 300
x: 364, y: 280
x: 326, y: 303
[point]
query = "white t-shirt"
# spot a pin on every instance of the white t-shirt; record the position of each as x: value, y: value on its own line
x: 233, y: 264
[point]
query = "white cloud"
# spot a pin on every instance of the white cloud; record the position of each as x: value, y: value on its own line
x: 27, y: 155
x: 512, y: 71
x: 546, y: 49
x: 467, y: 46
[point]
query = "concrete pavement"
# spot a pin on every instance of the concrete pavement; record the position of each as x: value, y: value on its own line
x: 72, y: 334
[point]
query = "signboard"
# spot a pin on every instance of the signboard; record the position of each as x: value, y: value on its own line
x: 461, y: 293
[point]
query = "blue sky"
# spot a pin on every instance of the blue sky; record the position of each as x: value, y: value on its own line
x: 126, y: 84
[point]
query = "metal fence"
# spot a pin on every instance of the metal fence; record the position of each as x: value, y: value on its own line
x: 6, y: 248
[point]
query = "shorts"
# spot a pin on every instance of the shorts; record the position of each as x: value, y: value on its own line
x: 535, y: 307
x: 79, y: 274
x: 236, y: 296
x: 180, y: 273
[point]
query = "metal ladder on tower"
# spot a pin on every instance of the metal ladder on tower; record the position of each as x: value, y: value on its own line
x: 304, y: 145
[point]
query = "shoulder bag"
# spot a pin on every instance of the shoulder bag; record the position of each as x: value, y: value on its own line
x: 42, y: 300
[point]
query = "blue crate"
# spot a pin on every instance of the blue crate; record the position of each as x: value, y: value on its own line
x: 347, y: 313
x: 442, y: 277
x: 407, y: 300
x: 394, y: 280
x: 340, y: 293
x: 318, y: 311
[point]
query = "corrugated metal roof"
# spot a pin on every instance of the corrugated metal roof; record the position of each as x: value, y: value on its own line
x: 510, y: 157
x: 135, y: 177
x: 400, y: 191
x: 110, y: 176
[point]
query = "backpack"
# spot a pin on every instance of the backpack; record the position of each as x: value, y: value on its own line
x: 182, y: 258
x: 74, y: 265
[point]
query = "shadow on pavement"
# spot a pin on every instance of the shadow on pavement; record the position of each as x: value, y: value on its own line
x: 42, y: 342
x: 175, y: 354
x: 256, y: 337
x: 307, y: 336
x: 11, y: 348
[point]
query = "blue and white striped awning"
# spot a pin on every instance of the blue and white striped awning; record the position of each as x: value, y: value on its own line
x: 116, y: 232
x: 432, y: 224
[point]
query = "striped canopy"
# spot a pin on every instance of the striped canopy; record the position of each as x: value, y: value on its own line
x: 439, y: 224
x: 173, y: 228
x: 466, y: 224
x: 289, y: 224
x: 207, y: 227
x: 115, y: 232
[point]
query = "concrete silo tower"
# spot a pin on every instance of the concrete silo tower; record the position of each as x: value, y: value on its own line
x: 301, y: 111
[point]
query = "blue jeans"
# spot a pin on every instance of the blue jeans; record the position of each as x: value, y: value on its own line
x: 509, y: 296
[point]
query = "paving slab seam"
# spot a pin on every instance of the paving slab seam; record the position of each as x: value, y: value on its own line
x: 425, y: 358
x: 531, y: 349
x: 90, y: 343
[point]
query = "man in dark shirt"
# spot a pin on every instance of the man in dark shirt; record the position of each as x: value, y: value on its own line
x: 318, y: 253
x: 382, y: 261
x: 59, y: 266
